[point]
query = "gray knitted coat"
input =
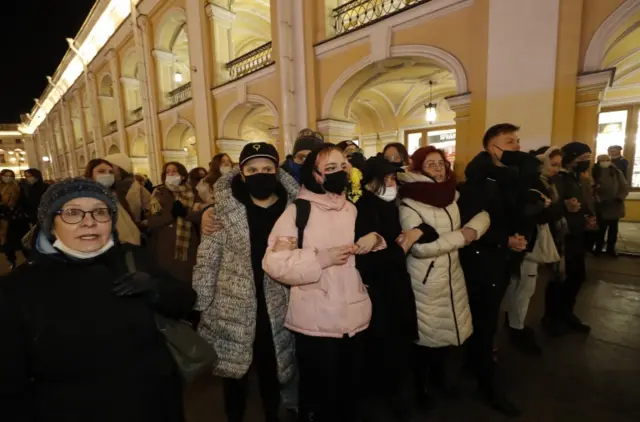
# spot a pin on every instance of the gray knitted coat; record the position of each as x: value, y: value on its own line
x: 223, y: 279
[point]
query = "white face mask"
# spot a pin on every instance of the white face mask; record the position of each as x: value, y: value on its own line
x: 106, y: 180
x: 82, y: 255
x: 225, y: 170
x: 173, y: 180
x: 7, y: 179
x: 390, y: 193
x: 605, y: 164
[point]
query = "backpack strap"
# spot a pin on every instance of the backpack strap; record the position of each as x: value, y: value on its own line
x: 303, y: 211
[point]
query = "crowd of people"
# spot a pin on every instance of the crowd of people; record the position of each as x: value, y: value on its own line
x: 345, y: 284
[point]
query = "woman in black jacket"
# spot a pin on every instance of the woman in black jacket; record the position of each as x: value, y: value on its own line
x: 33, y: 193
x: 393, y: 327
x: 79, y: 338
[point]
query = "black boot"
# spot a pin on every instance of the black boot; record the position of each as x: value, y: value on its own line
x: 574, y: 324
x: 525, y: 341
x: 555, y: 327
x: 498, y: 402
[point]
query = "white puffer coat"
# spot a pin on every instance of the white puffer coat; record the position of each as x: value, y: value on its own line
x: 444, y: 318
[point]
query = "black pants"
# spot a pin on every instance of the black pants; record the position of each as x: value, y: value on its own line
x: 612, y: 227
x: 561, y: 296
x: 484, y: 302
x: 330, y: 371
x: 265, y: 364
x: 429, y: 363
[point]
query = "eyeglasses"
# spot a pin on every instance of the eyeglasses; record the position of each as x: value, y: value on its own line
x: 434, y: 166
x: 75, y: 216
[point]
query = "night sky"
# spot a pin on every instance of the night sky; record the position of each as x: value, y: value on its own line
x: 32, y: 44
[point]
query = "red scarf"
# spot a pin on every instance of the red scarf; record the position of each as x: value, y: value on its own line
x: 439, y: 195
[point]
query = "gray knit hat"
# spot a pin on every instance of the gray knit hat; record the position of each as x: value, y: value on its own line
x: 64, y: 191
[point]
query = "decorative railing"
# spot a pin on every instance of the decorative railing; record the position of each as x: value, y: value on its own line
x: 111, y: 127
x: 8, y: 126
x: 252, y: 61
x: 179, y: 95
x: 136, y: 115
x: 358, y: 13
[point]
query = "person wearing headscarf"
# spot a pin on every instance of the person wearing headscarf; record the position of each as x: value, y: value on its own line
x: 79, y: 335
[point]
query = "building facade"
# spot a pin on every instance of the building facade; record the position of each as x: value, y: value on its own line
x: 182, y: 80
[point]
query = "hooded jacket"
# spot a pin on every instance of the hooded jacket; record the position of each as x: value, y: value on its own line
x: 326, y: 300
x: 227, y: 296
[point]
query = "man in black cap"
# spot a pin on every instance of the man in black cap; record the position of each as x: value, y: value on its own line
x: 242, y: 308
x: 559, y: 316
x: 307, y: 141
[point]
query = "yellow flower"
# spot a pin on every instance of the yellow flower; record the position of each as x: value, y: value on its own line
x: 354, y: 191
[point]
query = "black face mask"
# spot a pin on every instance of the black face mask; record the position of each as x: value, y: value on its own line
x: 336, y: 182
x: 513, y: 158
x: 582, y: 166
x: 262, y: 185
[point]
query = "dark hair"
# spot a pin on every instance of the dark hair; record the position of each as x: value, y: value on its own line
x: 35, y: 173
x: 194, y: 174
x: 182, y: 171
x: 497, y: 130
x: 402, y: 150
x: 307, y: 178
x: 5, y: 171
x: 618, y: 147
x: 92, y: 164
x: 214, y: 169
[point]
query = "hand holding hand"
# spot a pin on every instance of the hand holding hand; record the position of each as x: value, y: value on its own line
x: 573, y: 205
x: 517, y: 243
x: 210, y: 224
x: 366, y: 244
x: 178, y: 210
x: 340, y: 254
x: 469, y: 234
x: 285, y: 243
x: 408, y: 238
x: 547, y: 201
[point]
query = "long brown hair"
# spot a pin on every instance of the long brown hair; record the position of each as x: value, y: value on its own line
x: 214, y: 169
x: 182, y: 171
x: 92, y: 164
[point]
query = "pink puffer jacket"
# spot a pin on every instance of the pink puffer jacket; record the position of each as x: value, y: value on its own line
x: 326, y: 300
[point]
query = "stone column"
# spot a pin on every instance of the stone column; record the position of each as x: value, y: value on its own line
x: 148, y: 94
x: 83, y: 127
x: 221, y: 25
x: 335, y: 131
x: 117, y: 98
x: 199, y: 51
x: 466, y: 146
x: 92, y: 91
x: 369, y: 144
x: 164, y: 64
x: 30, y: 147
x: 591, y: 89
x: 69, y: 138
x: 53, y: 148
x: 60, y: 149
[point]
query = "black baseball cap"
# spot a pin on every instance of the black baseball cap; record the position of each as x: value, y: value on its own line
x: 378, y: 167
x: 259, y: 150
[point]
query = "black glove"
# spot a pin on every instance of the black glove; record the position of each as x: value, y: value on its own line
x: 429, y: 234
x: 178, y: 210
x: 135, y: 284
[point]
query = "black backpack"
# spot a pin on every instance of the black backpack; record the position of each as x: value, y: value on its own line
x: 303, y: 210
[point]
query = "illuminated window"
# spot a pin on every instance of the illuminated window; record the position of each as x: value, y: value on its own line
x: 620, y: 128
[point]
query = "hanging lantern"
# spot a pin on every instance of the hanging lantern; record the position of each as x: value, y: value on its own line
x: 430, y: 114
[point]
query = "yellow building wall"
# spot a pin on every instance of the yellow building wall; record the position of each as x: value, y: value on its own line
x: 594, y: 13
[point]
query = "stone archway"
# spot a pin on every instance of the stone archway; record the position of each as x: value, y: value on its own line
x: 180, y: 144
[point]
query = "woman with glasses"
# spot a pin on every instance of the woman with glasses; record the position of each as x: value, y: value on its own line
x: 397, y: 154
x: 444, y: 319
x: 79, y: 337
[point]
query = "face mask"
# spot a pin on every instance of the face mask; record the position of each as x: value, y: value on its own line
x: 106, y: 180
x: 399, y: 164
x: 173, y: 180
x: 261, y: 186
x: 336, y: 182
x: 225, y: 170
x: 582, y: 166
x: 389, y: 194
x: 605, y: 164
x: 31, y: 180
x: 7, y: 179
x: 513, y: 158
x: 82, y: 255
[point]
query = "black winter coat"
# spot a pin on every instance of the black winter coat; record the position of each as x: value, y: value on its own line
x: 385, y: 272
x: 73, y: 351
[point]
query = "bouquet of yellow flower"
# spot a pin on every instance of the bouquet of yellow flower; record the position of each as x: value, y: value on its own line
x: 354, y: 190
